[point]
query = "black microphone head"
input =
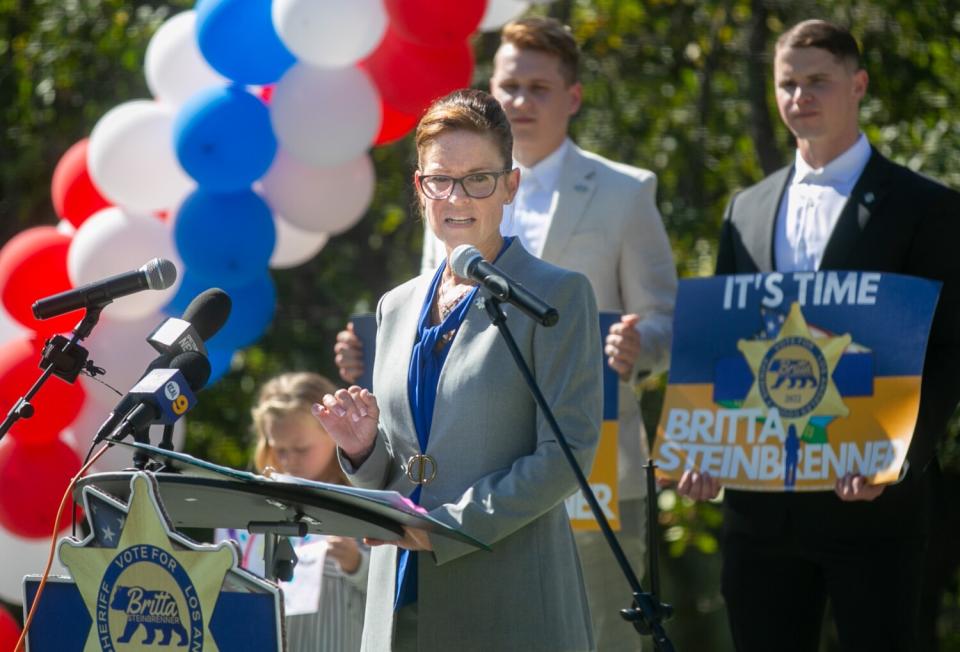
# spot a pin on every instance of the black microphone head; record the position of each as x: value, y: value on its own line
x: 160, y: 272
x: 463, y: 258
x: 194, y: 366
x: 208, y: 312
x: 162, y: 361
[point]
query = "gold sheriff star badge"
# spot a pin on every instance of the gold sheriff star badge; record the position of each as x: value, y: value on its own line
x: 793, y: 373
x: 155, y: 588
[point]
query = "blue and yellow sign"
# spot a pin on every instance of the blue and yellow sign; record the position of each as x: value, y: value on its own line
x: 605, y: 474
x: 783, y: 382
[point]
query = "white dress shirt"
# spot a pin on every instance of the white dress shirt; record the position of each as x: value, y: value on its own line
x: 811, y: 206
x: 536, y: 199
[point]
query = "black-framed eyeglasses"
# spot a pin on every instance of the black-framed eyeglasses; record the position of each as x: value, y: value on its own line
x: 477, y: 185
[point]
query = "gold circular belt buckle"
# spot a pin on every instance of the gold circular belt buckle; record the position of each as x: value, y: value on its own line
x: 421, y: 469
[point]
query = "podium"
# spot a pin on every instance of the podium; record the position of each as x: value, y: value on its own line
x: 138, y: 582
x: 200, y: 494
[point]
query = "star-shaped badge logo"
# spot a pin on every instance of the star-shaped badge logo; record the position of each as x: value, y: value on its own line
x: 155, y: 587
x: 793, y: 373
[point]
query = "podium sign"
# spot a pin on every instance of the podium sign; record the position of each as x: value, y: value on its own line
x: 786, y: 382
x: 137, y: 584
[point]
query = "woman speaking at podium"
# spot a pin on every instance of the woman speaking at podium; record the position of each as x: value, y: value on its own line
x: 454, y: 427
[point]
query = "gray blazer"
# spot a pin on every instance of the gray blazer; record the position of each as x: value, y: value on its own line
x: 607, y: 227
x: 501, y: 477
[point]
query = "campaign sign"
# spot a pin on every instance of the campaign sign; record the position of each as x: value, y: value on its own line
x: 137, y: 585
x: 605, y: 473
x: 788, y: 381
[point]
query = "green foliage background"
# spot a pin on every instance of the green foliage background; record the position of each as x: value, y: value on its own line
x: 681, y: 87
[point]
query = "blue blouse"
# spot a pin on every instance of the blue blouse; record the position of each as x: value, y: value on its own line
x: 422, y: 379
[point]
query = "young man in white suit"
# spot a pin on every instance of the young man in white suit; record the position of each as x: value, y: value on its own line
x: 581, y: 211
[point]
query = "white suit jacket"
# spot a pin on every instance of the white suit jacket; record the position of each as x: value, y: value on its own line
x: 607, y: 227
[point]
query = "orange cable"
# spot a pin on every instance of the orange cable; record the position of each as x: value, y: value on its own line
x: 53, y: 547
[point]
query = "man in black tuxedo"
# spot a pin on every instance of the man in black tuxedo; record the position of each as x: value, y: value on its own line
x: 840, y: 206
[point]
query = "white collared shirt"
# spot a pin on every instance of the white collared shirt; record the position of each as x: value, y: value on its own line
x: 531, y: 213
x: 812, y: 205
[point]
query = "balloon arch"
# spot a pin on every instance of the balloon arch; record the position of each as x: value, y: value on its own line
x: 251, y: 153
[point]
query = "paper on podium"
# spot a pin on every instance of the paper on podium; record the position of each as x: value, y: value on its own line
x: 206, y: 495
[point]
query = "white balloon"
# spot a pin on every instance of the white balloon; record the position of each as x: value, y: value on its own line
x: 330, y: 33
x: 10, y: 328
x: 131, y: 158
x: 66, y: 228
x: 294, y: 245
x: 120, y: 348
x: 113, y: 241
x: 174, y: 68
x: 325, y: 116
x: 23, y: 557
x: 501, y: 12
x: 100, y: 402
x: 319, y: 199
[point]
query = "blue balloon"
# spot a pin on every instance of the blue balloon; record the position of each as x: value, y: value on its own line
x: 225, y: 236
x: 223, y: 139
x: 190, y: 288
x: 238, y: 40
x: 253, y: 303
x: 220, y: 360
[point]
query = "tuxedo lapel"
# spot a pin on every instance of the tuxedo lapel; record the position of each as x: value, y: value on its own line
x: 574, y: 190
x: 869, y: 189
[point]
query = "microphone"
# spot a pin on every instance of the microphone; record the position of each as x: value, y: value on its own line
x: 128, y: 401
x: 467, y: 262
x: 205, y: 315
x: 165, y: 395
x: 157, y: 274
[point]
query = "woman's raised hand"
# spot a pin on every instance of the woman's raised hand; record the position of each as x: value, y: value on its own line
x: 350, y: 416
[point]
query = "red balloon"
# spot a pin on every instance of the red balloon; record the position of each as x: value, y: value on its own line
x: 411, y: 76
x: 55, y: 405
x: 9, y: 630
x: 266, y: 93
x: 33, y: 479
x: 74, y: 196
x: 395, y: 125
x: 33, y: 265
x: 429, y: 22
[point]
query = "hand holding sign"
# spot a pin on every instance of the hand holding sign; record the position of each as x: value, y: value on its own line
x: 622, y: 346
x: 853, y: 487
x: 698, y: 485
x: 348, y: 354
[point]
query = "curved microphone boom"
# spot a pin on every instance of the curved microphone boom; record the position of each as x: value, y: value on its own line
x: 467, y: 262
x: 157, y: 274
